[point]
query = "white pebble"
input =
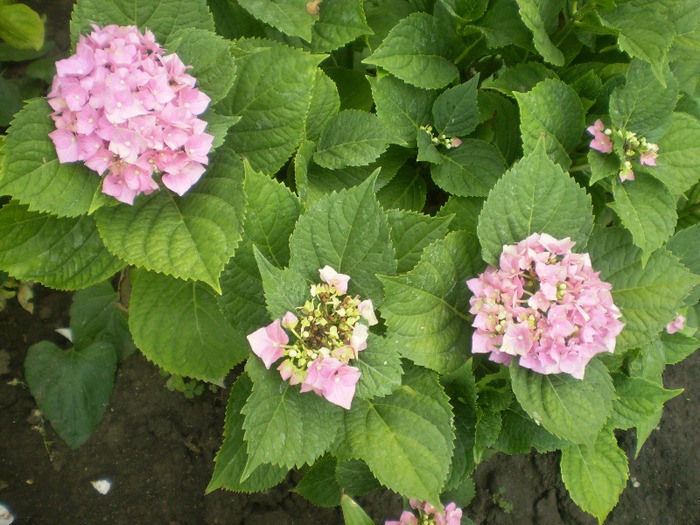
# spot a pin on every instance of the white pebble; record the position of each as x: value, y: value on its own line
x: 6, y: 517
x: 103, y: 486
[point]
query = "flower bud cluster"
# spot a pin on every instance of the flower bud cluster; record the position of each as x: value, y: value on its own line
x: 429, y: 515
x: 448, y: 142
x: 633, y: 147
x: 544, y: 304
x: 329, y: 331
x: 125, y: 108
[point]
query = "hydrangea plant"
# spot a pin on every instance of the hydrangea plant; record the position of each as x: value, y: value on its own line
x: 491, y: 279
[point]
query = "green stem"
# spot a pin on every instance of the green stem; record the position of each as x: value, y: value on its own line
x: 464, y: 53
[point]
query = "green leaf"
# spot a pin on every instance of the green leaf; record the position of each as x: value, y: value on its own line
x: 289, y: 16
x: 355, y: 477
x: 21, y: 26
x: 561, y: 123
x: 351, y: 138
x: 417, y: 51
x: 647, y: 209
x: 163, y: 17
x: 533, y: 19
x: 535, y: 195
x: 307, y: 421
x: 31, y: 172
x: 520, y: 77
x: 649, y: 297
x: 426, y: 310
x: 242, y: 300
x: 684, y: 245
x: 406, y: 190
x: 402, y: 107
x: 595, y: 476
x: 67, y: 254
x: 502, y: 26
x: 427, y: 152
x: 466, y: 10
x: 520, y: 434
x: 455, y: 112
x: 505, y: 124
x: 209, y: 56
x: 353, y: 87
x: 271, y: 93
x: 602, y: 166
x: 11, y: 101
x: 218, y: 125
x: 411, y: 232
x: 341, y: 21
x: 190, y: 237
x: 678, y: 346
x: 71, y: 388
x: 465, y: 210
x: 285, y: 289
x: 231, y: 458
x: 348, y: 231
x: 638, y: 37
x: 178, y: 325
x: 380, y: 367
x: 638, y: 399
x: 353, y: 513
x: 325, y: 104
x: 470, y: 170
x: 406, y: 437
x: 560, y: 402
x: 271, y: 214
x: 643, y: 105
x: 678, y: 165
x: 94, y: 316
x: 319, y: 485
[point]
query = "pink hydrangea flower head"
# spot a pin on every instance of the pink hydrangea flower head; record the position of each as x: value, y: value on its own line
x: 339, y: 280
x: 267, y: 342
x: 544, y: 306
x: 677, y: 324
x: 601, y: 142
x: 648, y: 158
x: 406, y: 518
x: 125, y: 102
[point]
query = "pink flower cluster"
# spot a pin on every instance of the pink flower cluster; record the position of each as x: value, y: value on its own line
x: 331, y: 330
x: 125, y: 108
x: 429, y: 515
x: 544, y: 304
x: 632, y: 147
x: 676, y: 325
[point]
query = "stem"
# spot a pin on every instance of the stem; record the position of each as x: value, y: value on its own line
x: 579, y: 167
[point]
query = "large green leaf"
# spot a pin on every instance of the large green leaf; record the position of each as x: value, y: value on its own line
x: 271, y: 93
x: 465, y: 212
x: 341, y: 21
x: 271, y: 214
x: 20, y: 26
x: 416, y: 50
x: 95, y: 316
x: 163, y: 17
x: 560, y: 402
x: 63, y: 253
x: 470, y: 170
x: 535, y: 195
x: 678, y: 165
x: 380, y: 366
x: 519, y: 77
x: 289, y: 16
x: 402, y: 107
x: 319, y: 485
x: 31, y: 172
x: 231, y: 458
x: 411, y: 232
x: 684, y: 245
x: 178, y: 325
x: 595, y: 476
x: 455, y: 112
x: 406, y: 437
x: 285, y: 289
x: 325, y: 104
x: 638, y: 399
x: 209, y: 56
x: 533, y: 19
x: 639, y: 37
x: 71, y: 388
x: 643, y: 105
x: 190, y: 237
x: 284, y: 426
x: 406, y: 190
x: 650, y: 296
x: 426, y: 310
x: 647, y: 209
x: 351, y: 138
x: 348, y: 231
x: 561, y: 123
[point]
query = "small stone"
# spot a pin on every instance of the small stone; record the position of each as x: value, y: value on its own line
x: 6, y: 517
x: 103, y: 486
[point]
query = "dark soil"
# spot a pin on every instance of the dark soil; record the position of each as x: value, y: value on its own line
x: 158, y: 447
